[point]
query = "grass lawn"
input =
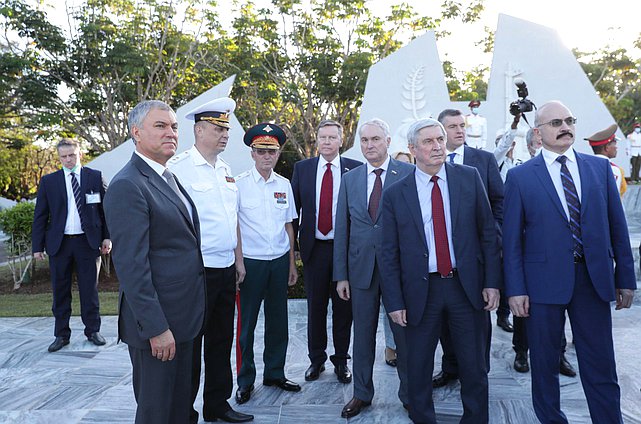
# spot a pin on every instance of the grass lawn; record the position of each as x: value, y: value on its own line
x: 39, y: 305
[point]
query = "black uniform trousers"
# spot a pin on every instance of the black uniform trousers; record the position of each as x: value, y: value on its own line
x: 218, y: 335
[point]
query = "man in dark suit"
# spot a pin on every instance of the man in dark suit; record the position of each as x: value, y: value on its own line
x: 155, y: 229
x: 69, y: 223
x: 315, y: 183
x: 357, y: 256
x: 440, y: 264
x: 563, y: 233
x: 458, y: 152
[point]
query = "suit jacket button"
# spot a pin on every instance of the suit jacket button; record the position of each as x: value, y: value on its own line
x: 425, y: 255
x: 424, y: 278
x: 375, y: 225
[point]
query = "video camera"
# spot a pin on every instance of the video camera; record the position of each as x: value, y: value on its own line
x: 523, y: 104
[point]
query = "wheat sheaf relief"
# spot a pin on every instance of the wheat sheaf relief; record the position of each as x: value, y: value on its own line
x: 414, y: 91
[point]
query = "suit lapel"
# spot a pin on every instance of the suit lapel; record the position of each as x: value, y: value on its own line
x: 391, y: 177
x: 453, y: 189
x: 161, y: 185
x: 361, y: 195
x: 344, y: 167
x: 62, y: 184
x: 410, y: 194
x: 469, y: 157
x: 541, y: 171
x: 587, y: 181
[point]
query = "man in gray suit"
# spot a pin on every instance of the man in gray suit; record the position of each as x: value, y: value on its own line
x: 356, y: 257
x: 159, y: 266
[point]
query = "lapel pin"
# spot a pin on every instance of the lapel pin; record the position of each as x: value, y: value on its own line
x: 346, y: 169
x: 394, y: 172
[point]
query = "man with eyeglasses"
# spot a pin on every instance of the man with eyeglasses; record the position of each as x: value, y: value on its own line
x: 315, y: 183
x: 265, y: 218
x: 563, y: 232
x: 210, y: 184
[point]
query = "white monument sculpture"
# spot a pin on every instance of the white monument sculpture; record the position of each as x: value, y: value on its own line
x: 410, y: 84
x: 236, y: 154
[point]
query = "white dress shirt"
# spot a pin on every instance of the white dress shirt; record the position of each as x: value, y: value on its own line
x: 72, y: 224
x: 460, y: 155
x: 371, y: 176
x: 265, y: 208
x: 554, y: 168
x: 424, y: 188
x: 213, y: 190
x: 336, y: 179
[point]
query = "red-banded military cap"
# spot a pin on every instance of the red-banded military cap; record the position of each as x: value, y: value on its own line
x: 265, y: 136
x: 603, y: 137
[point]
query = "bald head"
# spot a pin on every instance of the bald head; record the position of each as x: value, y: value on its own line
x: 554, y: 123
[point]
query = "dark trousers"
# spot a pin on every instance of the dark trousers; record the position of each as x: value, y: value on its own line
x: 75, y: 251
x: 519, y: 337
x: 447, y: 303
x: 635, y: 161
x: 449, y: 363
x: 265, y: 280
x: 218, y: 336
x: 366, y: 306
x: 162, y: 389
x: 504, y: 308
x: 591, y: 321
x: 317, y: 273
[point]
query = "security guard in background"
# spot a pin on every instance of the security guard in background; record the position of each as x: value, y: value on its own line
x: 604, y: 145
x: 475, y: 127
x: 209, y: 182
x: 266, y: 213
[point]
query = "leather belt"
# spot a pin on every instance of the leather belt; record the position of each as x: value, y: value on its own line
x: 453, y: 273
x: 328, y: 241
x: 74, y: 235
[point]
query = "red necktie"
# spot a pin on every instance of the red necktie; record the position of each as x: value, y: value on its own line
x: 375, y: 197
x: 325, y: 205
x: 443, y: 260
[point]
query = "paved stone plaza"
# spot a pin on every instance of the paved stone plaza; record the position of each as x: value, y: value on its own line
x: 83, y: 383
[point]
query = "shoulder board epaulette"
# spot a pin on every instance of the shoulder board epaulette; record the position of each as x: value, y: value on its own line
x: 179, y: 157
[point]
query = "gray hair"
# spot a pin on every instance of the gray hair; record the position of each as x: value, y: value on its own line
x: 68, y: 142
x: 529, y: 137
x: 139, y: 113
x: 448, y: 112
x: 416, y: 127
x: 377, y: 123
x: 330, y: 123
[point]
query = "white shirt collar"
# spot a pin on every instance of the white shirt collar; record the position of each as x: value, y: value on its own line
x: 424, y: 178
x: 459, y: 150
x: 550, y: 156
x: 322, y: 162
x: 257, y: 177
x: 67, y: 172
x: 158, y: 168
x: 383, y: 166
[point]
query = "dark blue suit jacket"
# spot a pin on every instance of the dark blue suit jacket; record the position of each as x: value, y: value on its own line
x: 404, y: 257
x: 537, y: 242
x: 485, y: 163
x: 51, y: 211
x: 304, y: 188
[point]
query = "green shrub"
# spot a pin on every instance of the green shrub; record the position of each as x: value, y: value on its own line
x: 16, y: 223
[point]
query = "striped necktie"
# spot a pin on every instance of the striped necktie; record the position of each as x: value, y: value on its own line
x: 78, y: 197
x: 451, y: 156
x: 574, y: 205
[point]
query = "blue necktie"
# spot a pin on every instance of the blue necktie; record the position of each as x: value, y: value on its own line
x: 452, y: 156
x: 574, y: 205
x: 76, y: 194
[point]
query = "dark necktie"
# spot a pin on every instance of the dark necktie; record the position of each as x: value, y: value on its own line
x: 171, y: 181
x: 443, y: 259
x: 375, y: 197
x: 326, y: 200
x: 574, y: 205
x: 78, y: 197
x: 452, y: 156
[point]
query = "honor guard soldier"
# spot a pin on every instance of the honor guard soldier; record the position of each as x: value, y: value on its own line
x: 265, y: 216
x: 209, y: 181
x: 475, y: 127
x: 635, y: 151
x: 604, y: 145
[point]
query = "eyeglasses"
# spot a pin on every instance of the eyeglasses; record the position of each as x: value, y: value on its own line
x: 558, y: 122
x: 262, y: 152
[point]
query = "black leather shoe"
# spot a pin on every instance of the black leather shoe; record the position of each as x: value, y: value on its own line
x: 354, y: 407
x: 521, y: 363
x: 565, y: 367
x: 443, y: 378
x: 390, y: 357
x: 97, y: 339
x: 505, y: 324
x: 58, y: 344
x: 313, y: 372
x: 343, y: 373
x: 243, y: 394
x: 282, y: 383
x: 231, y: 416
